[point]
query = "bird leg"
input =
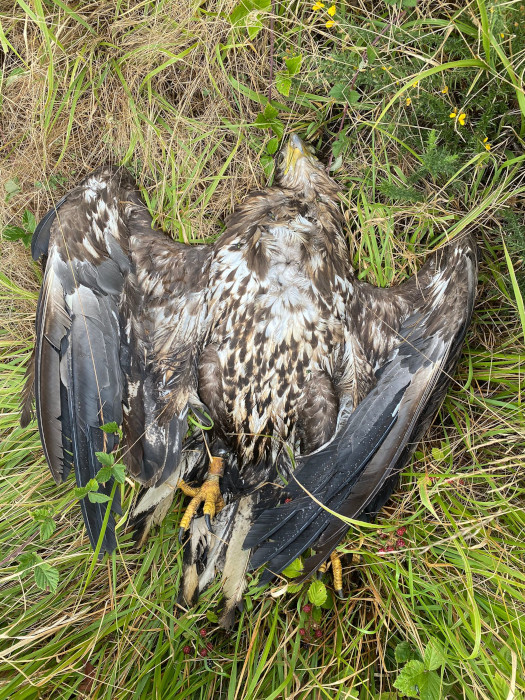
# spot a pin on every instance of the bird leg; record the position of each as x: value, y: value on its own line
x: 209, y: 494
x: 337, y: 572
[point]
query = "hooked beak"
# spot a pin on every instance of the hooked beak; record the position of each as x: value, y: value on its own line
x: 295, y: 150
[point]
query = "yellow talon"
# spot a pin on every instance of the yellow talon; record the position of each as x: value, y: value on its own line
x: 209, y: 494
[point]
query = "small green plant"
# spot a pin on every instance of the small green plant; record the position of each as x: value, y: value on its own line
x: 45, y: 576
x: 44, y: 516
x: 53, y: 183
x: 30, y: 562
x: 111, y: 469
x: 418, y: 677
x: 283, y: 79
x: 269, y: 119
x: 12, y: 188
x: 24, y: 232
x: 248, y: 15
x: 317, y: 593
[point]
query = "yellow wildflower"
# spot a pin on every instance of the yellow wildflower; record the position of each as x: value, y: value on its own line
x: 415, y: 84
x: 453, y: 115
x: 330, y: 24
x: 461, y: 118
x: 487, y: 146
x: 408, y: 101
x: 445, y: 90
x: 485, y: 139
x: 502, y: 35
x: 318, y: 6
x: 331, y: 11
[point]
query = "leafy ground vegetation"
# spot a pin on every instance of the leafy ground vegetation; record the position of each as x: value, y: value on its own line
x: 419, y: 110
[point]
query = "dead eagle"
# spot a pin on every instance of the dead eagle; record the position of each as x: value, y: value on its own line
x: 270, y: 333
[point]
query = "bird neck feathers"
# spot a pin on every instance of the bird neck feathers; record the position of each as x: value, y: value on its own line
x: 281, y: 226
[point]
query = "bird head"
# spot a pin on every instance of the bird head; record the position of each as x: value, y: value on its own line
x: 297, y: 165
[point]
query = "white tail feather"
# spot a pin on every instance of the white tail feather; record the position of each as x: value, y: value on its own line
x: 236, y: 562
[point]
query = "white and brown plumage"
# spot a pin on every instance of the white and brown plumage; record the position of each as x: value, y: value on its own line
x: 270, y: 333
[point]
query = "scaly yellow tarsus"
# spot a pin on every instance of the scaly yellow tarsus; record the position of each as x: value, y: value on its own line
x: 337, y: 572
x: 209, y: 493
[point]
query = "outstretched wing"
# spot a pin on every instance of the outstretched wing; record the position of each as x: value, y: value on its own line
x: 110, y: 284
x: 355, y: 473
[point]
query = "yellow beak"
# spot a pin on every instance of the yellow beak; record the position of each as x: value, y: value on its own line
x: 294, y: 152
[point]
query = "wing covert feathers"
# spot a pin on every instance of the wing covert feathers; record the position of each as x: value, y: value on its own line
x: 96, y: 360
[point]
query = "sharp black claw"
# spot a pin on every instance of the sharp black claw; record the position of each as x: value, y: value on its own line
x: 339, y: 593
x: 319, y: 574
x: 207, y: 520
x: 181, y: 534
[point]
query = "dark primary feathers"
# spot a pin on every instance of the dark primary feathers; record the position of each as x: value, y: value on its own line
x: 97, y: 336
x: 269, y: 333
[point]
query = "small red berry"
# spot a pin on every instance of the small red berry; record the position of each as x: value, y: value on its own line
x: 203, y: 632
x: 383, y: 535
x: 287, y: 500
x: 209, y: 646
x: 400, y: 543
x: 307, y: 608
x: 401, y: 531
x: 381, y: 551
x: 203, y: 652
x: 318, y: 633
x: 302, y: 631
x: 186, y: 649
x: 389, y: 548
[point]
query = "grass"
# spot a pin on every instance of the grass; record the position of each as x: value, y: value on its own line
x: 179, y: 93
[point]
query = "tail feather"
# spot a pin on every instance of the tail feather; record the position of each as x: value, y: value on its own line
x: 236, y: 562
x: 195, y: 550
x: 208, y: 553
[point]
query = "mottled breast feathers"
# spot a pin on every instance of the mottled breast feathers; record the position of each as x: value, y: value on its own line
x: 279, y: 285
